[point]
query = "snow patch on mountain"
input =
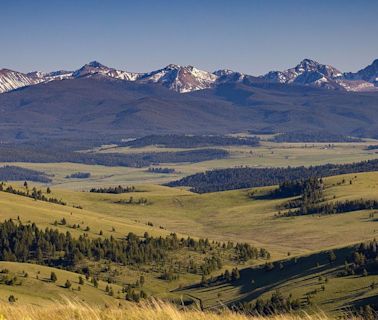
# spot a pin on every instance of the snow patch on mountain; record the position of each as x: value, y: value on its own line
x: 11, y: 80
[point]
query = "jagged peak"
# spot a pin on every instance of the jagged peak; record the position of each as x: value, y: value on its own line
x: 223, y: 72
x: 95, y: 64
x: 308, y: 61
x: 173, y: 66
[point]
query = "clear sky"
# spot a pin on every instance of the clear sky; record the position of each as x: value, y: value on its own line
x: 251, y: 36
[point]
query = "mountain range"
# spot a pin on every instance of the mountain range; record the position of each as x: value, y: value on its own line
x: 184, y: 79
x: 104, y: 104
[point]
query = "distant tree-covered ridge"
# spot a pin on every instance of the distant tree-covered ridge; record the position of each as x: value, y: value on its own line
x: 25, y: 153
x: 238, y: 178
x: 313, y: 137
x: 13, y: 173
x: 188, y: 141
x: 79, y: 175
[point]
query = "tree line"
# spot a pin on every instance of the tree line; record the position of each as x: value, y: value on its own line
x: 309, y: 137
x: 161, y: 170
x: 114, y: 190
x: 24, y: 153
x: 27, y: 243
x: 79, y: 175
x: 276, y: 304
x: 35, y: 193
x: 13, y: 173
x: 189, y: 141
x: 333, y: 207
x: 245, y: 177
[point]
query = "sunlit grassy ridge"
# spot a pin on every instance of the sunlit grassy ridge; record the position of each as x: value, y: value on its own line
x: 223, y: 216
x: 147, y: 311
x: 231, y: 215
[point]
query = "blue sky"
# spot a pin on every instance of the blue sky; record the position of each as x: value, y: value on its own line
x: 250, y: 36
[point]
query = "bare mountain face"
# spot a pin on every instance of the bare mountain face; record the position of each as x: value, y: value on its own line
x: 185, y: 79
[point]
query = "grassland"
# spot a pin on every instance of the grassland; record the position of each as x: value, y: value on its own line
x: 310, y: 276
x: 267, y: 155
x: 150, y: 311
x: 231, y: 215
x: 37, y: 289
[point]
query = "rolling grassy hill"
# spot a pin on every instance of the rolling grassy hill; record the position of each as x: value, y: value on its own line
x: 220, y: 216
x: 229, y: 215
x: 310, y: 276
x: 37, y: 289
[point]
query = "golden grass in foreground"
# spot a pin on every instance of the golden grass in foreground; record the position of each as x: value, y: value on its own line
x: 146, y: 311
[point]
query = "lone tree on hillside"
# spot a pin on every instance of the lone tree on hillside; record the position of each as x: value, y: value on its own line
x: 53, y: 277
x: 68, y: 284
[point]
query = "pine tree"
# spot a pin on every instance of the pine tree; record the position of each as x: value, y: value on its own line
x: 53, y: 277
x: 68, y: 284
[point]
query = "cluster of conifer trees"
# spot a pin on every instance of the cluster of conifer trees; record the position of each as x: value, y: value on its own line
x: 277, y: 304
x: 115, y: 190
x: 132, y: 200
x: 311, y: 200
x: 335, y: 207
x: 79, y: 175
x: 28, y: 243
x: 161, y: 170
x: 362, y: 261
x: 34, y: 193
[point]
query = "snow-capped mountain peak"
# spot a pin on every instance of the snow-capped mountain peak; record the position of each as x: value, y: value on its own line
x: 307, y: 72
x: 184, y: 79
x: 96, y: 68
x: 181, y: 79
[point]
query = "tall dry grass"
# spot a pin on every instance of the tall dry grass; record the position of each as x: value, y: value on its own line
x: 154, y: 310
